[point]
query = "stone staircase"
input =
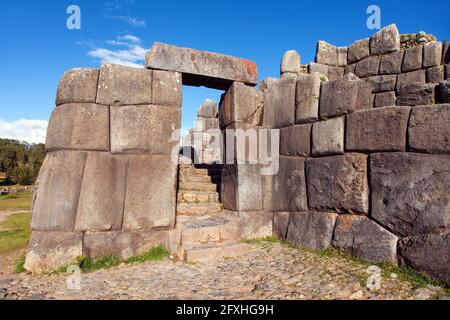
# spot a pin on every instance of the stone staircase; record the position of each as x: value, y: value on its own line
x: 206, y: 232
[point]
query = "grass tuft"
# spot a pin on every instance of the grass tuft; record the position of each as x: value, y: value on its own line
x: 154, y: 254
x: 19, y: 267
x: 263, y: 240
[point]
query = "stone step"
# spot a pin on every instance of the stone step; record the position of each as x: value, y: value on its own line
x: 197, y: 186
x: 196, y: 178
x: 207, y: 253
x: 197, y: 196
x: 209, y: 229
x: 195, y: 209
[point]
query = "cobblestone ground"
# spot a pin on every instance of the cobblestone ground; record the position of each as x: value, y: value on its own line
x: 265, y: 271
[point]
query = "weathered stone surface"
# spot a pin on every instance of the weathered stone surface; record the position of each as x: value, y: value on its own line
x: 151, y: 192
x: 241, y: 187
x: 446, y: 53
x: 414, y: 94
x: 319, y: 68
x: 59, y: 185
x: 338, y: 183
x: 307, y: 98
x: 167, y: 88
x: 124, y: 244
x: 121, y: 85
x: 435, y: 74
x: 429, y: 253
x: 241, y: 103
x: 144, y: 129
x: 326, y: 53
x: 279, y: 102
x: 345, y: 95
x: 382, y: 83
x: 335, y: 73
x: 290, y: 62
x: 328, y: 137
x: 364, y: 238
x: 255, y: 224
x: 50, y: 250
x: 295, y: 140
x: 78, y: 126
x: 386, y: 40
x: 280, y: 224
x: 286, y: 190
x: 368, y: 66
x: 384, y: 99
x: 444, y: 88
x: 410, y: 192
x: 102, y: 195
x: 429, y: 129
x: 213, y: 70
x: 204, y: 124
x: 379, y: 129
x: 342, y: 53
x: 432, y: 54
x: 391, y: 63
x: 350, y: 68
x: 312, y: 230
x: 447, y: 71
x: 78, y: 85
x: 208, y: 109
x: 358, y: 50
x: 410, y: 77
x: 412, y: 59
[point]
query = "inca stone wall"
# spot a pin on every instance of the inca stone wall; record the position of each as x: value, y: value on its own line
x: 363, y: 158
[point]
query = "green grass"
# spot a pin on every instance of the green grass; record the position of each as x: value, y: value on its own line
x: 263, y: 240
x: 87, y: 264
x: 17, y: 201
x: 16, y: 232
x: 19, y: 268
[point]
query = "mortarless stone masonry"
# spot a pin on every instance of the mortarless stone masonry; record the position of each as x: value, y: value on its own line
x: 364, y: 162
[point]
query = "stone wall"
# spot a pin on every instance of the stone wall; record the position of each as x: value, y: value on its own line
x: 98, y: 192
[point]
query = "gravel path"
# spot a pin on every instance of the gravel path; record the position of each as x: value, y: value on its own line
x: 266, y: 271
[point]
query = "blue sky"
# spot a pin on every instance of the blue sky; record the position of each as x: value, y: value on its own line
x: 37, y: 47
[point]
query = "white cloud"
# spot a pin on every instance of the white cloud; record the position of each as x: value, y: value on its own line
x: 135, y: 22
x: 31, y: 131
x: 130, y: 54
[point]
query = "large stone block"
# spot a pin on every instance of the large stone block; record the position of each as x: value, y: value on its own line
x: 331, y: 72
x: 78, y: 85
x: 286, y: 190
x: 104, y: 178
x: 279, y: 102
x: 429, y: 129
x: 296, y: 140
x: 435, y: 74
x: 241, y: 187
x: 368, y: 66
x: 280, y: 224
x: 412, y: 59
x: 312, y: 230
x: 429, y: 253
x: 410, y: 192
x: 255, y: 224
x: 385, y: 40
x: 345, y: 95
x: 446, y: 53
x: 410, y: 77
x: 307, y: 98
x: 205, y: 68
x: 414, y: 94
x: 384, y: 99
x: 204, y: 124
x: 432, y: 54
x: 124, y: 244
x: 58, y: 191
x: 338, y: 183
x: 382, y: 83
x: 335, y: 73
x: 50, y: 250
x: 328, y: 137
x: 391, y: 63
x: 144, y: 129
x: 358, y: 50
x: 151, y: 193
x: 290, y: 62
x: 326, y: 53
x: 121, y: 85
x: 208, y: 109
x: 83, y: 126
x: 379, y: 129
x: 364, y: 238
x: 241, y: 103
x: 167, y: 88
x: 444, y: 88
